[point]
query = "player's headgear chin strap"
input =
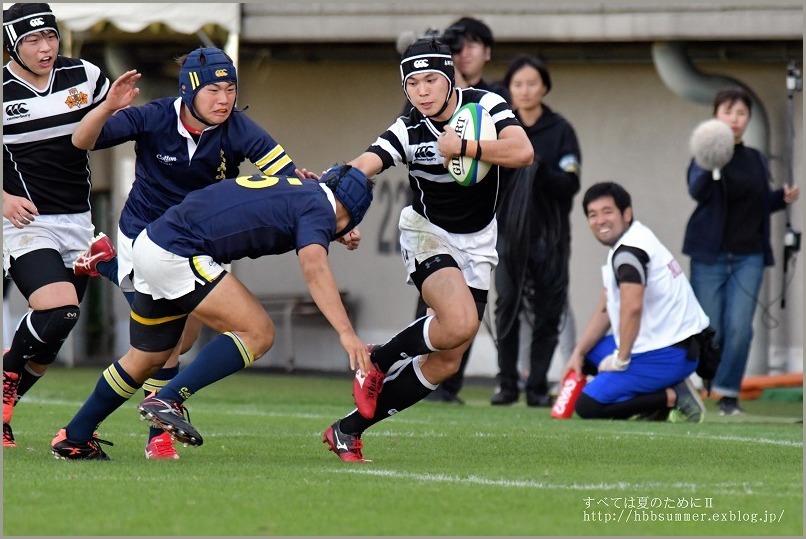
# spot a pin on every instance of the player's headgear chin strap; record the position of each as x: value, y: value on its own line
x: 21, y: 20
x: 353, y: 189
x: 206, y: 65
x: 428, y: 56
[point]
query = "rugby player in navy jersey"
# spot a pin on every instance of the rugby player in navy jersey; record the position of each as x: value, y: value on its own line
x: 447, y: 235
x: 183, y: 144
x: 46, y: 191
x: 178, y: 271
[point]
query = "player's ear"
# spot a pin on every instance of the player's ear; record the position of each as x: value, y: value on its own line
x: 628, y: 214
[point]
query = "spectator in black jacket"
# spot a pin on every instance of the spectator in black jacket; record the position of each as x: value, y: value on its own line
x: 534, y: 235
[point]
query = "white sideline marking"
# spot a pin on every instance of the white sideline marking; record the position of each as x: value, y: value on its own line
x: 721, y: 488
x: 387, y: 433
x: 689, y: 434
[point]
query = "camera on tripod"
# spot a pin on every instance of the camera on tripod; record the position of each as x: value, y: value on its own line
x: 453, y: 37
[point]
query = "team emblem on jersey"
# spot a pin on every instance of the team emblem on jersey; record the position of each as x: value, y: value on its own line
x: 17, y: 109
x: 221, y: 171
x: 76, y: 98
x: 425, y: 153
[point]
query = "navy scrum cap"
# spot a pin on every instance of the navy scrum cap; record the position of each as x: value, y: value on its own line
x: 353, y: 189
x: 206, y: 65
x: 20, y: 20
x: 424, y: 56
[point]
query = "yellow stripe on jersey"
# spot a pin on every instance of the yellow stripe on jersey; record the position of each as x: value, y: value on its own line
x: 246, y: 355
x: 264, y: 161
x: 269, y: 157
x: 117, y: 383
x: 155, y: 321
x: 278, y: 165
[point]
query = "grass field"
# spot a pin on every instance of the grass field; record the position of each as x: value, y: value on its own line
x: 438, y: 469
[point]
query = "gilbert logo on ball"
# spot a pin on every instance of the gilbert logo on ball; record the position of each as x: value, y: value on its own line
x: 471, y: 122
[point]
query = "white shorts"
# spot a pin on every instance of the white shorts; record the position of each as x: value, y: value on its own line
x: 125, y: 263
x: 474, y: 253
x: 69, y: 234
x: 164, y: 275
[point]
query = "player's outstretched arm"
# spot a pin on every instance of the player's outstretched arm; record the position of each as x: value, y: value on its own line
x: 121, y: 94
x: 368, y: 163
x: 325, y: 293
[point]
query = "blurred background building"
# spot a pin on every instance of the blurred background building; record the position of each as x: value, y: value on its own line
x: 633, y: 77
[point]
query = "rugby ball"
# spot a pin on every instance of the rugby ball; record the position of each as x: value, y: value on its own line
x: 471, y: 122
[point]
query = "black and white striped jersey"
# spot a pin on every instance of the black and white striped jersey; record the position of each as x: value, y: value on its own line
x: 412, y: 140
x: 40, y: 162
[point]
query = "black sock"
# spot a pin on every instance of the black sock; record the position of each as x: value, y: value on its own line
x: 154, y: 384
x: 28, y: 378
x: 409, y: 343
x: 401, y: 389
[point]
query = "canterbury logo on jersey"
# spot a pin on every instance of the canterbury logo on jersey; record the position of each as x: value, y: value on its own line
x: 17, y: 109
x: 220, y: 72
x: 37, y: 22
x: 424, y: 153
x: 421, y: 63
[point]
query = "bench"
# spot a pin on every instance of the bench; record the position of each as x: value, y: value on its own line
x: 284, y: 308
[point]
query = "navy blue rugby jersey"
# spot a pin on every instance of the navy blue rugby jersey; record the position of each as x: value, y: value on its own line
x: 249, y: 216
x: 170, y: 164
x: 40, y: 162
x: 412, y: 140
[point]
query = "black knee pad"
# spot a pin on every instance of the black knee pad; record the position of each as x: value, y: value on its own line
x: 54, y: 325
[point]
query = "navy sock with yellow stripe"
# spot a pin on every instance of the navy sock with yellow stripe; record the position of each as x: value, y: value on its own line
x: 224, y: 355
x: 155, y: 385
x: 114, y: 387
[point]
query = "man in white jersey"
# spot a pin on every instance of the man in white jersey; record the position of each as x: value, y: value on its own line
x: 447, y: 236
x: 645, y: 363
x: 46, y: 191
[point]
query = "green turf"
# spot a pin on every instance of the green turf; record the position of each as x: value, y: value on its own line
x: 438, y: 469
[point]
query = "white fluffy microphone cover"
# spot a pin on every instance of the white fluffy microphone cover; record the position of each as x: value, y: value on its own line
x: 711, y: 145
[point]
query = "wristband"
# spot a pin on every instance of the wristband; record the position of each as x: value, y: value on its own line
x: 478, y: 150
x: 463, y: 151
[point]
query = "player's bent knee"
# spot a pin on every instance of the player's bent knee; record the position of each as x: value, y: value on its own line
x: 589, y: 408
x: 455, y: 332
x: 260, y: 340
x: 54, y: 325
